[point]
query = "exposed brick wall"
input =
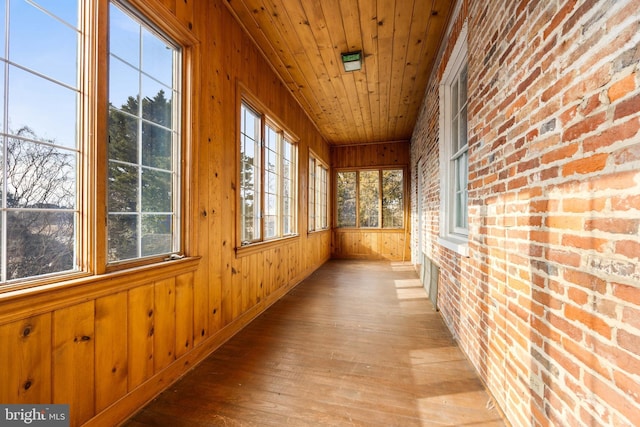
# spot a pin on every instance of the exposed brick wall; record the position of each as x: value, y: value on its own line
x: 547, y: 305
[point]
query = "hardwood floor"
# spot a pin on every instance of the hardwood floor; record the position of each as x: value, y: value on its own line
x: 357, y: 343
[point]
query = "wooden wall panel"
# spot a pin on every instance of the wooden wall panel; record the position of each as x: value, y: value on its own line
x: 360, y: 156
x: 140, y: 333
x: 25, y: 360
x: 111, y: 349
x: 184, y: 314
x: 73, y: 360
x: 164, y: 330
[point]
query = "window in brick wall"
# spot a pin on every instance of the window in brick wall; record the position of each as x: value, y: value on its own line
x: 454, y: 169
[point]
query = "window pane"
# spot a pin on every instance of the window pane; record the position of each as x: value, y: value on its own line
x: 39, y: 242
x: 311, y: 194
x: 346, y: 199
x: 156, y: 234
x: 392, y: 199
x: 53, y: 52
x: 463, y: 86
x: 39, y: 176
x: 123, y: 136
x: 39, y: 150
x: 123, y: 187
x: 454, y: 99
x: 321, y: 213
x: 156, y: 102
x: 123, y: 237
x: 461, y: 178
x: 463, y: 128
x: 143, y: 142
x: 44, y: 107
x: 124, y: 86
x: 369, y: 199
x: 156, y: 191
x: 156, y: 146
x: 65, y: 10
x: 249, y: 175
x: 157, y: 58
x: 124, y: 36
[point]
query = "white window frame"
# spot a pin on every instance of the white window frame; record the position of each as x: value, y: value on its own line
x: 451, y: 237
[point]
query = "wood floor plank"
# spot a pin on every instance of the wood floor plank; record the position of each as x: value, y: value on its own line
x: 356, y: 343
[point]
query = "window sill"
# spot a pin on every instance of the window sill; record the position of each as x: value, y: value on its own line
x: 368, y: 230
x: 455, y: 244
x: 324, y: 230
x: 41, y: 298
x: 253, y: 248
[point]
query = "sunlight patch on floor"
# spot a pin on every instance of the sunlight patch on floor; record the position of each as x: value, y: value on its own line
x: 460, y: 409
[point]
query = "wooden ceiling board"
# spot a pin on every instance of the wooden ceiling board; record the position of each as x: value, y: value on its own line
x: 303, y: 41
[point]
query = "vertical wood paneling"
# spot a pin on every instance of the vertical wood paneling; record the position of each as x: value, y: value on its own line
x: 164, y: 341
x: 117, y: 345
x: 25, y: 358
x: 184, y: 314
x: 73, y: 360
x: 141, y: 334
x: 111, y: 349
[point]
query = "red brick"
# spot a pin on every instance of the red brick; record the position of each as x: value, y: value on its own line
x: 627, y: 155
x: 631, y: 317
x: 544, y: 237
x: 624, y: 203
x: 559, y: 17
x: 562, y: 325
x: 587, y: 125
x: 627, y: 293
x: 614, y: 181
x: 517, y: 105
x: 613, y: 353
x: 627, y: 107
x: 591, y: 104
x: 592, y: 321
x: 628, y: 385
x: 577, y: 15
x: 629, y: 341
x: 587, y: 357
x: 560, y: 357
x: 563, y: 257
x: 613, y: 225
x: 585, y: 280
x: 611, y: 135
x: 529, y: 80
x: 578, y: 296
x: 587, y: 165
x: 564, y: 222
x: 584, y: 242
x: 583, y: 205
x: 622, y: 87
x: 628, y: 248
x: 561, y: 152
x: 613, y: 398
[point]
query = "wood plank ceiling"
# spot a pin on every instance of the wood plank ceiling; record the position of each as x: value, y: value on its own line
x: 303, y: 40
